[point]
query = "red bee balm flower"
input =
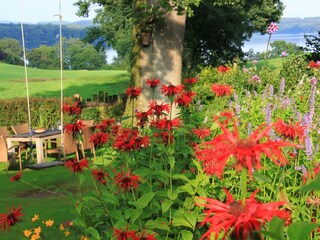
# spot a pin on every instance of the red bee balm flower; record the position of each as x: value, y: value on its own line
x: 314, y: 64
x: 77, y: 166
x: 190, y: 81
x: 105, y: 125
x: 158, y: 109
x: 74, y: 109
x: 16, y: 177
x: 247, y: 152
x: 221, y: 90
x: 223, y: 69
x: 10, y: 219
x: 202, y: 133
x: 124, y: 234
x: 153, y: 83
x: 75, y: 128
x: 99, y: 138
x: 100, y: 176
x: 290, y: 131
x: 126, y: 180
x: 172, y: 90
x: 133, y: 93
x: 243, y: 218
x: 145, y: 236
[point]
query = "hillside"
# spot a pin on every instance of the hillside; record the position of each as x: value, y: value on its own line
x: 299, y: 25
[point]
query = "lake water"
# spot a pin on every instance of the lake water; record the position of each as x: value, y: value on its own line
x: 259, y: 42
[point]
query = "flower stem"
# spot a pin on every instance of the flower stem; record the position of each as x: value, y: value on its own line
x: 243, y: 181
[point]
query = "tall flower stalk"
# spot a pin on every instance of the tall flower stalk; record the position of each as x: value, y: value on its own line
x: 272, y: 28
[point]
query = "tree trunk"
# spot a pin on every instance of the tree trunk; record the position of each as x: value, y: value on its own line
x: 161, y: 59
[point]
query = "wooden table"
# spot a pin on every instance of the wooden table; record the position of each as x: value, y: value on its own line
x: 38, y: 138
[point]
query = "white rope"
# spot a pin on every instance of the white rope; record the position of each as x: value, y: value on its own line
x: 25, y: 67
x: 61, y: 77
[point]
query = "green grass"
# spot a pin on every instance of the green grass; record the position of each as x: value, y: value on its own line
x: 274, y: 64
x: 46, y: 83
x: 25, y: 193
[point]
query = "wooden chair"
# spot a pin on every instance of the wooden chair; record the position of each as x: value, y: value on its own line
x: 69, y: 146
x: 22, y: 146
x: 86, y: 143
x: 5, y: 155
x: 88, y: 123
x: 4, y: 131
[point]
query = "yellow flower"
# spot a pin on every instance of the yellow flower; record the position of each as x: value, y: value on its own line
x: 27, y: 233
x: 35, y: 237
x: 37, y: 230
x: 66, y: 233
x: 84, y: 238
x: 49, y: 223
x: 35, y: 218
x: 61, y: 227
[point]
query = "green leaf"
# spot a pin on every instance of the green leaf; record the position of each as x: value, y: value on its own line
x: 261, y: 178
x: 144, y: 200
x: 157, y: 224
x: 79, y: 222
x: 110, y: 198
x: 90, y: 199
x: 276, y: 229
x: 94, y: 233
x: 172, y: 195
x: 186, y: 188
x: 192, y: 218
x: 181, y: 177
x: 313, y: 186
x: 116, y: 214
x: 172, y: 161
x: 186, y: 235
x: 300, y: 230
x: 181, y: 222
x: 132, y: 214
x: 166, y: 204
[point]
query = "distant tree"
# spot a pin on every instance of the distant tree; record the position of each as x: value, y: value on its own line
x: 278, y: 47
x: 11, y: 51
x: 44, y: 57
x: 313, y: 46
x: 80, y: 55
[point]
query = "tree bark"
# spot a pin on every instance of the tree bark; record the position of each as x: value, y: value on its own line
x: 161, y: 59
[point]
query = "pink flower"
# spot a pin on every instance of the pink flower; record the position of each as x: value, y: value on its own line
x: 272, y: 28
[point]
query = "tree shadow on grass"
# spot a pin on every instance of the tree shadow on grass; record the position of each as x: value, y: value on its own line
x: 88, y: 90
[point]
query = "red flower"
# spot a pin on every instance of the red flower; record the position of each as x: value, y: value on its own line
x: 314, y: 64
x: 75, y: 128
x: 74, y: 109
x: 133, y: 93
x: 145, y: 236
x: 124, y: 234
x: 77, y: 166
x: 171, y: 89
x: 16, y: 177
x: 104, y: 125
x: 190, y: 81
x: 224, y: 117
x: 100, y: 176
x: 243, y: 218
x: 223, y: 69
x: 99, y: 138
x: 221, y: 90
x: 143, y: 118
x: 290, y: 131
x: 10, y: 219
x: 153, y: 83
x: 166, y: 124
x: 166, y: 137
x: 247, y: 152
x: 158, y: 109
x: 202, y: 133
x: 129, y: 139
x: 184, y: 99
x: 126, y: 180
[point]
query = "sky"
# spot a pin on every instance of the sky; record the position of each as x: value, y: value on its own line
x: 34, y: 11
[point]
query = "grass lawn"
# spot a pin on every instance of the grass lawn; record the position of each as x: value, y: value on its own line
x: 33, y: 200
x: 274, y: 64
x: 46, y: 83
